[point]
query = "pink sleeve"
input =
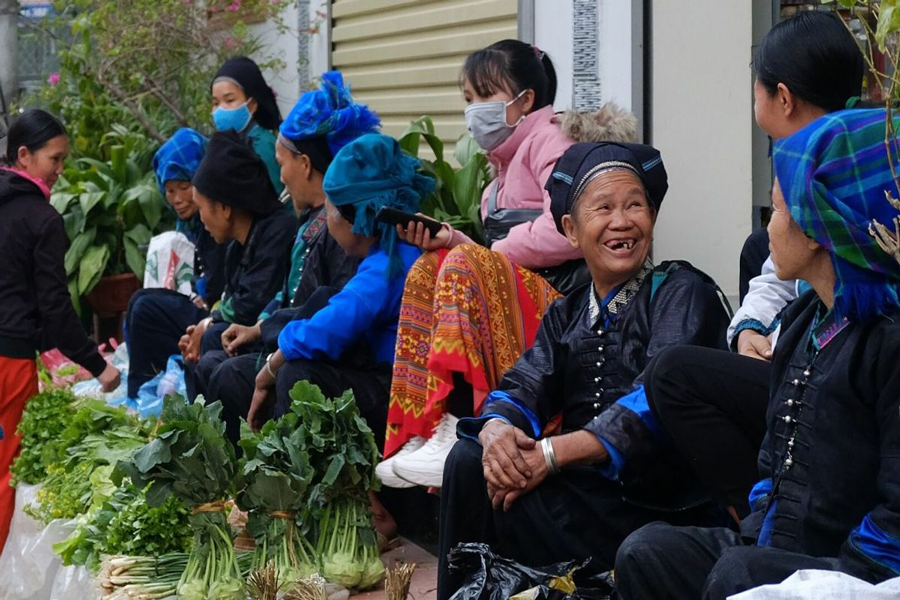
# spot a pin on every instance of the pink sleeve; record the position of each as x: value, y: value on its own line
x: 457, y: 238
x: 538, y: 244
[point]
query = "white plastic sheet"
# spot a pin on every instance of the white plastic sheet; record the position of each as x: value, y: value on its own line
x: 823, y: 585
x: 28, y: 565
x: 75, y: 583
x: 170, y: 263
x: 92, y: 388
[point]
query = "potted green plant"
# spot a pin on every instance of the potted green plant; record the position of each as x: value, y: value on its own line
x: 110, y: 210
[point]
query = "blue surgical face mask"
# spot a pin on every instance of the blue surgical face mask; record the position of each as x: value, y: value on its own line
x: 235, y: 119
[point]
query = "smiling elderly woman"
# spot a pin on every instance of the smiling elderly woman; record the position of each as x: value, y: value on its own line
x: 561, y: 498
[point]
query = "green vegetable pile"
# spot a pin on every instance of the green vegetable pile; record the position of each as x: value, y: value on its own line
x: 343, y: 455
x: 81, y: 460
x: 191, y: 459
x: 274, y: 476
x: 125, y: 525
x: 41, y: 427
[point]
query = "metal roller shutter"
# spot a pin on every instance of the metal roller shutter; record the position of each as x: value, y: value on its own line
x: 402, y: 57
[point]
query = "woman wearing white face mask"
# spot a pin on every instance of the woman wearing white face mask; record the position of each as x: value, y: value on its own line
x: 242, y: 101
x: 469, y: 311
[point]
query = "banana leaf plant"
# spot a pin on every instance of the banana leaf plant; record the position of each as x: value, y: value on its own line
x: 110, y: 210
x: 457, y: 198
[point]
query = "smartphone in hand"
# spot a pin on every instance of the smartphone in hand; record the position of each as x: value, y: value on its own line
x: 392, y: 216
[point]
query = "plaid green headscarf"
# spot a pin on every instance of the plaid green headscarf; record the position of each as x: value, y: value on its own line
x: 834, y: 174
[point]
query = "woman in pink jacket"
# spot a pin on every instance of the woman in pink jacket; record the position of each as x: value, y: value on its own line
x: 468, y: 312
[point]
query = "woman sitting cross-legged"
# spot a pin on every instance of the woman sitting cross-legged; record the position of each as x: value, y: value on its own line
x: 829, y: 497
x: 346, y: 341
x: 540, y: 499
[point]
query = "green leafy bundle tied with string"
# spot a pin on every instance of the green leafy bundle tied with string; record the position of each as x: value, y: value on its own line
x: 343, y: 455
x: 273, y: 480
x: 190, y: 458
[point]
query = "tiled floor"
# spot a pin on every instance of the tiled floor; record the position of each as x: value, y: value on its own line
x: 424, y: 582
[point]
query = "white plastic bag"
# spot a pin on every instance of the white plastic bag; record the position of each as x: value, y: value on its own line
x: 92, y: 388
x: 170, y: 262
x: 75, y: 583
x: 811, y: 584
x: 28, y: 564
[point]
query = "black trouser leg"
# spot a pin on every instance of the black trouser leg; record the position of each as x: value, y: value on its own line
x: 232, y: 382
x: 746, y: 567
x: 663, y: 562
x: 713, y: 405
x: 156, y: 320
x: 197, y: 377
x: 466, y: 512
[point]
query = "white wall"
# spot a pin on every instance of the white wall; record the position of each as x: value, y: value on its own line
x: 616, y: 57
x: 702, y: 122
x: 553, y: 35
x: 283, y: 44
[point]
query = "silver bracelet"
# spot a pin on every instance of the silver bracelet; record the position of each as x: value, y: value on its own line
x: 549, y: 456
x: 268, y: 367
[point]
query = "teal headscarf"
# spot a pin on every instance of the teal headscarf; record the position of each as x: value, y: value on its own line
x: 372, y: 172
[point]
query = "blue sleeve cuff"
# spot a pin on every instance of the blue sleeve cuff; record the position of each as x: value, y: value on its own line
x: 759, y: 492
x: 499, y: 399
x: 470, y: 427
x: 637, y: 403
x: 876, y: 544
x: 754, y: 325
x: 613, y: 468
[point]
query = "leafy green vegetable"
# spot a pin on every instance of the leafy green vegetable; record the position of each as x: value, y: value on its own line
x: 84, y: 454
x: 343, y: 455
x: 274, y: 476
x: 64, y: 494
x: 46, y: 416
x: 124, y: 524
x: 191, y: 459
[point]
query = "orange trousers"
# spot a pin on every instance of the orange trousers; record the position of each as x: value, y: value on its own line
x: 18, y: 383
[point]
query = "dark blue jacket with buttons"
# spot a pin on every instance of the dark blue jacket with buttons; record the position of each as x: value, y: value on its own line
x: 831, y: 456
x: 585, y: 370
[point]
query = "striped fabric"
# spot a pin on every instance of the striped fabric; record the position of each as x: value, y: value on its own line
x: 834, y: 174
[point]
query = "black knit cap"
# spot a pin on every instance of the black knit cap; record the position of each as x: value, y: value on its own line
x: 246, y: 74
x: 232, y: 173
x: 577, y: 165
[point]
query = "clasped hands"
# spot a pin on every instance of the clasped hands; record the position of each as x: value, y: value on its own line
x: 513, y: 463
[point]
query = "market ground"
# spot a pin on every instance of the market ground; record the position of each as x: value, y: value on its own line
x: 424, y: 581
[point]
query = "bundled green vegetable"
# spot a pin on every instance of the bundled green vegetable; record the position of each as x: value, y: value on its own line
x: 124, y: 524
x: 274, y: 476
x: 141, y: 577
x: 343, y: 455
x: 46, y: 416
x: 192, y: 460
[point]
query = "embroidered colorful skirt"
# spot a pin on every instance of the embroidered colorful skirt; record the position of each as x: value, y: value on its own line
x: 469, y: 311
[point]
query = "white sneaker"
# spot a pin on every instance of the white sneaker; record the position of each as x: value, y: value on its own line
x: 425, y: 466
x: 385, y: 470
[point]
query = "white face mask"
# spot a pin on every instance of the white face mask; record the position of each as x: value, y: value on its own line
x: 486, y: 122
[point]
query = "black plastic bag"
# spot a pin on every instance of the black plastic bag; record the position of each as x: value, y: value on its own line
x: 492, y: 577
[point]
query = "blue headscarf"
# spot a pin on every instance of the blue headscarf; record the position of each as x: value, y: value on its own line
x: 329, y: 112
x: 178, y: 159
x: 372, y: 172
x: 834, y: 174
